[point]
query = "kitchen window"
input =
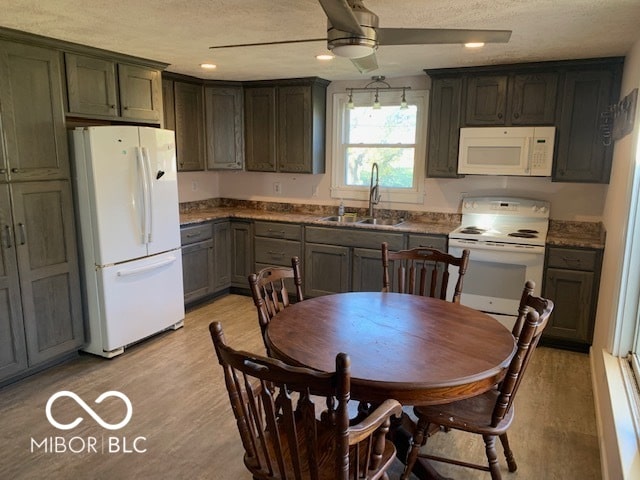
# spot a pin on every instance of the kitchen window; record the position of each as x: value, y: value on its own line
x: 391, y: 136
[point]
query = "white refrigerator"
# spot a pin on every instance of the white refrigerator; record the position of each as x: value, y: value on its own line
x: 127, y: 204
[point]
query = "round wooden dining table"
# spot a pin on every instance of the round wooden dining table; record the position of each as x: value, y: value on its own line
x: 417, y: 350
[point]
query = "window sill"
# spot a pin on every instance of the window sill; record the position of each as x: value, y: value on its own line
x: 626, y: 446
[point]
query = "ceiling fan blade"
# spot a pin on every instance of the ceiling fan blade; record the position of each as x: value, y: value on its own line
x: 366, y: 64
x: 341, y: 16
x: 425, y: 36
x: 269, y: 43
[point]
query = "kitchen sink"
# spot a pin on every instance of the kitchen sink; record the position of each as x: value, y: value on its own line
x: 382, y: 221
x: 342, y: 219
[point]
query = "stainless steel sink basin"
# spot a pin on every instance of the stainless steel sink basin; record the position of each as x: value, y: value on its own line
x: 343, y: 219
x: 382, y: 221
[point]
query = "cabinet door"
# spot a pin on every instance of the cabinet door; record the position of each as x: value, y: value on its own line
x: 13, y: 352
x: 571, y: 292
x: 444, y: 127
x: 91, y: 85
x: 189, y: 118
x: 326, y: 269
x: 140, y: 93
x: 197, y: 270
x: 294, y: 129
x: 533, y: 100
x: 486, y: 100
x: 32, y: 113
x: 47, y: 264
x: 260, y: 129
x: 224, y: 113
x: 367, y: 270
x: 582, y: 155
x: 242, y: 257
x: 168, y: 105
x: 222, y: 257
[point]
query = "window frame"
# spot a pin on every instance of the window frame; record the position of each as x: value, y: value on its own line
x: 339, y: 188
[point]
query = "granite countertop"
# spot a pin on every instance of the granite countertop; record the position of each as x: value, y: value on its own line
x: 561, y: 233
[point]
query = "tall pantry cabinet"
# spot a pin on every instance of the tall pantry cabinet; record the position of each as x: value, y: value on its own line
x: 40, y: 305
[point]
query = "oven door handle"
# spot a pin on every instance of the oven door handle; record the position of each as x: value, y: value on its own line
x: 496, y: 247
x: 511, y: 257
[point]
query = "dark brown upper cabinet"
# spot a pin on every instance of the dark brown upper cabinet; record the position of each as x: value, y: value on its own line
x: 444, y: 127
x: 285, y: 125
x: 514, y: 99
x: 99, y: 87
x: 31, y: 113
x: 189, y: 125
x: 573, y: 95
x: 224, y: 122
x: 583, y: 152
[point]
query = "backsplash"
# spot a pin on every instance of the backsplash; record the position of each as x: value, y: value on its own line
x: 319, y: 210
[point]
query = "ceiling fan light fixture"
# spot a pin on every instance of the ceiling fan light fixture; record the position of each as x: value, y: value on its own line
x: 376, y: 102
x: 474, y: 44
x: 353, y: 51
x: 325, y: 57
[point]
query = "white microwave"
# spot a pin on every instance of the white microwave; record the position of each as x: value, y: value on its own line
x: 525, y: 151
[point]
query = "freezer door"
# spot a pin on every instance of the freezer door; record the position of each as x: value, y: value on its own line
x: 159, y: 152
x: 114, y: 195
x: 140, y: 298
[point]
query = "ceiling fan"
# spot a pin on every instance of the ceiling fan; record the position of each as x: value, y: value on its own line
x: 353, y: 32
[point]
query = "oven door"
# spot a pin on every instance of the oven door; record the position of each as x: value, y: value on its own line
x: 496, y: 276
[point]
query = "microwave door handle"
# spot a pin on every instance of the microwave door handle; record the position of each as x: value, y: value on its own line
x: 527, y: 150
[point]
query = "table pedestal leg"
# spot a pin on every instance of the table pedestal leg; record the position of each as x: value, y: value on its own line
x: 401, y: 434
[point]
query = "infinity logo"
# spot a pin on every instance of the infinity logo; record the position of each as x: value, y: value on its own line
x: 89, y: 410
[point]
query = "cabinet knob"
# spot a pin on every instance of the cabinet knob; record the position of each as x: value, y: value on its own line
x: 126, y: 108
x: 3, y: 171
x: 16, y: 170
x: 112, y: 107
x: 500, y: 115
x: 516, y: 115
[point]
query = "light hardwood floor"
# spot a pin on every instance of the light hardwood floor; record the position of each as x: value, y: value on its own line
x: 181, y: 414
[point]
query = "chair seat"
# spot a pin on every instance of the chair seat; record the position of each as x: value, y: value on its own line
x: 327, y: 448
x: 471, y: 415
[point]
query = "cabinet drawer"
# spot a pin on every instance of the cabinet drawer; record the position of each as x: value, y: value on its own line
x: 572, y: 259
x: 430, y: 241
x: 273, y: 251
x: 287, y: 231
x: 195, y: 233
x: 353, y: 238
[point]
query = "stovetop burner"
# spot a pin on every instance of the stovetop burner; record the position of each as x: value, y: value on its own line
x: 508, y: 220
x: 520, y: 234
x: 473, y: 230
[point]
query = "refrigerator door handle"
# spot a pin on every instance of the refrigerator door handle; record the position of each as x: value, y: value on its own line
x: 146, y: 268
x: 145, y: 194
x: 147, y: 164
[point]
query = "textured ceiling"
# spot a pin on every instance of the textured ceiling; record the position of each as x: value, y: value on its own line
x: 179, y: 32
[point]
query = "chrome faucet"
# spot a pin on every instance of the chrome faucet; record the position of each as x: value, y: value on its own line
x: 374, y: 195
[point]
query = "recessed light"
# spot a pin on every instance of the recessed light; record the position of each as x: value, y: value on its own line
x: 208, y: 66
x: 325, y: 56
x: 474, y: 44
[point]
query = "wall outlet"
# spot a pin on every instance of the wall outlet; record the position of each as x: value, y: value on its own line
x: 277, y: 188
x: 194, y: 186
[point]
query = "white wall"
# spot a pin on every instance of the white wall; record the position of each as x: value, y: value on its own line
x: 569, y: 201
x: 610, y: 398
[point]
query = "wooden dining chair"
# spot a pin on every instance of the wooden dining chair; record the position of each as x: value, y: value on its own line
x: 491, y: 413
x: 270, y: 293
x: 423, y: 271
x: 273, y: 404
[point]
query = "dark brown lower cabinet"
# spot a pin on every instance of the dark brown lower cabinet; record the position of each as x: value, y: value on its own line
x: 40, y: 304
x: 571, y: 280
